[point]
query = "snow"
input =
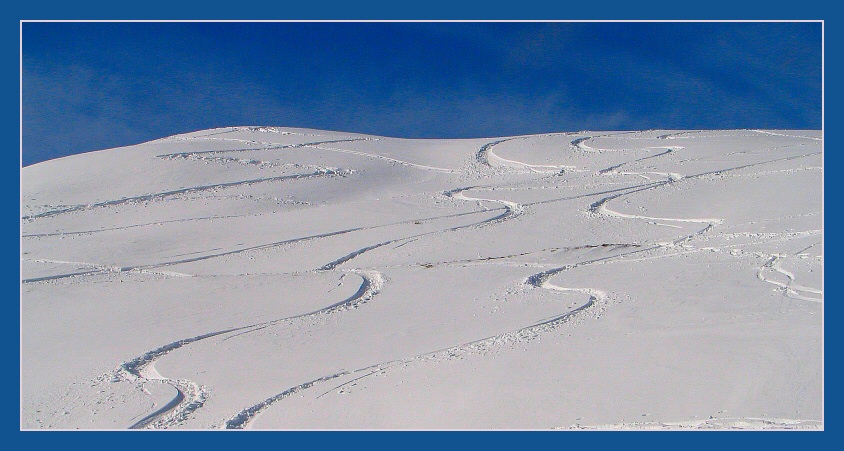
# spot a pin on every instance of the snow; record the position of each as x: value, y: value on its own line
x: 284, y: 278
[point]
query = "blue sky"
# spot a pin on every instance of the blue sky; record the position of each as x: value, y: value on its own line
x: 90, y: 86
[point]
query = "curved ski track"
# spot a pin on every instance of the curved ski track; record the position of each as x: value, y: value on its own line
x: 191, y: 395
x: 789, y: 288
x: 595, y: 303
x: 243, y: 419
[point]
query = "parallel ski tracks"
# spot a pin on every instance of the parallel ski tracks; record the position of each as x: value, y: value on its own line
x: 192, y: 395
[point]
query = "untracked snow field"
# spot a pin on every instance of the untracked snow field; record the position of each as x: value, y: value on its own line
x: 281, y: 278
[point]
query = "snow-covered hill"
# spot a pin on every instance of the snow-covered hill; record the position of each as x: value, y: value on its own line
x: 263, y: 277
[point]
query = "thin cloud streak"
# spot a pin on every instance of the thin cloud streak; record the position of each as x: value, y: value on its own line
x: 89, y: 86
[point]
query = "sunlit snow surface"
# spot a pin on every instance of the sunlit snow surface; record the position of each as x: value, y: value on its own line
x: 279, y: 278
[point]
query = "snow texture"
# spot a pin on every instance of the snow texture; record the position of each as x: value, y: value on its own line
x: 282, y: 278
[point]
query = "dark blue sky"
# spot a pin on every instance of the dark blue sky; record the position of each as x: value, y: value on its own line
x: 90, y: 86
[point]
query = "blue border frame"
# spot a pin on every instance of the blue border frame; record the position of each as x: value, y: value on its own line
x: 432, y: 10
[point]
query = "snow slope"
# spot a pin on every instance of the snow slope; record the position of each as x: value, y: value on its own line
x: 281, y: 278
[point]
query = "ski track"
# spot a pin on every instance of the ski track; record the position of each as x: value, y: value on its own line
x: 595, y: 304
x: 195, y: 189
x: 788, y: 136
x: 385, y: 158
x: 265, y: 146
x: 98, y: 269
x: 613, y: 169
x: 489, y: 159
x: 596, y: 301
x: 580, y: 143
x: 512, y: 209
x: 191, y: 395
x: 482, y: 156
x: 223, y: 160
x: 600, y: 207
x: 494, y: 161
x: 244, y: 418
x: 102, y: 269
x: 95, y: 269
x: 132, y: 226
x: 679, y: 135
x: 789, y: 288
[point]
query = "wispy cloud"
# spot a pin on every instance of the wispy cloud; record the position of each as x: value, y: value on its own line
x: 90, y: 86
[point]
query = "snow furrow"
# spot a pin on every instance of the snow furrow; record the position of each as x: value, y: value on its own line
x: 679, y: 135
x: 789, y: 288
x: 146, y: 224
x: 601, y: 208
x: 595, y: 303
x: 482, y: 156
x: 765, y: 132
x: 512, y: 209
x: 385, y: 158
x: 190, y: 395
x: 613, y: 169
x: 242, y: 419
x: 580, y: 143
x: 192, y: 190
x: 266, y: 146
